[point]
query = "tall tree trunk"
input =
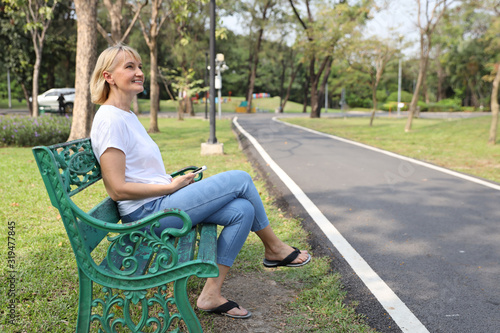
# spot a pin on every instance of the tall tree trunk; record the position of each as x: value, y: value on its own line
x: 414, y: 100
x: 38, y: 15
x: 180, y: 109
x: 282, y: 83
x: 135, y: 105
x: 494, y: 108
x: 190, y: 106
x: 374, y: 101
x: 306, y: 95
x: 441, y: 76
x: 154, y: 88
x: 315, y: 109
x: 36, y: 74
x: 150, y: 36
x: 474, y: 98
x: 314, y: 78
x: 426, y: 31
x: 83, y: 110
x: 253, y: 72
x: 322, y: 87
x: 27, y: 97
x: 288, y: 90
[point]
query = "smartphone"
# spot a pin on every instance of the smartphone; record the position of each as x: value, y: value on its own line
x: 197, y: 171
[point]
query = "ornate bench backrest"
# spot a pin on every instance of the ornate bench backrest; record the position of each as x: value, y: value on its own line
x: 74, y: 161
x: 67, y: 169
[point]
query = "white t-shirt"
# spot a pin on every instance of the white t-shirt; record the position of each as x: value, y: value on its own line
x: 116, y: 128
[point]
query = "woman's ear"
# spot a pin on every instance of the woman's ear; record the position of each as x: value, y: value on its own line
x: 108, y: 78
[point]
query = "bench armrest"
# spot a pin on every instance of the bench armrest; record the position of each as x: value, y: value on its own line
x: 185, y: 170
x: 152, y: 221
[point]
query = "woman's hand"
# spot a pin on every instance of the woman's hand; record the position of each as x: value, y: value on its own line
x: 182, y: 181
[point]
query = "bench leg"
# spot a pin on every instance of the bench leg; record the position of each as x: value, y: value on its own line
x: 185, y: 309
x: 84, y: 303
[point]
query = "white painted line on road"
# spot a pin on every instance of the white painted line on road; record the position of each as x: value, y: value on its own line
x: 401, y: 157
x: 399, y: 312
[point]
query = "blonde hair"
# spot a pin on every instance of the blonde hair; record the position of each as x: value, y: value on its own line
x: 99, y: 88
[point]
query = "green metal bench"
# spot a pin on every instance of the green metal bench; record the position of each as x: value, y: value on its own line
x: 128, y: 260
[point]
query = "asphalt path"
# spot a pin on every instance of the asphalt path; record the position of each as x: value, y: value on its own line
x: 432, y: 237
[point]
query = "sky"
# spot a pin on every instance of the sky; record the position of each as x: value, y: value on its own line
x: 399, y: 18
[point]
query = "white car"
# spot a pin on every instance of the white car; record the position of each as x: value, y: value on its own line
x: 48, y: 101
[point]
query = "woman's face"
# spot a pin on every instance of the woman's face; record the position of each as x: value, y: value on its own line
x: 127, y: 76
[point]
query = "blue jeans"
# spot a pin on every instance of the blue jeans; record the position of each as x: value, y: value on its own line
x: 229, y: 199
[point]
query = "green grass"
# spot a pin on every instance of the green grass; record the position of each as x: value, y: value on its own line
x: 265, y: 104
x: 459, y: 144
x: 46, y: 285
x: 15, y: 104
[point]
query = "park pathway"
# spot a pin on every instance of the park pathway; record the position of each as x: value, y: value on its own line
x: 428, y: 241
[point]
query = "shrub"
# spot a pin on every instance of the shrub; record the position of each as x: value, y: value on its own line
x: 354, y: 101
x: 393, y: 106
x: 405, y: 97
x: 448, y: 104
x: 423, y: 106
x: 381, y: 96
x: 29, y: 131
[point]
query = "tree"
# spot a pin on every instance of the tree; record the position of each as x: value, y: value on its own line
x: 115, y: 36
x: 494, y: 107
x: 115, y: 10
x: 150, y: 31
x: 427, y: 21
x: 17, y: 51
x: 260, y: 11
x: 324, y: 30
x: 38, y: 15
x: 187, y: 44
x: 371, y: 57
x: 86, y: 11
x: 289, y: 60
x: 186, y: 87
x: 493, y: 47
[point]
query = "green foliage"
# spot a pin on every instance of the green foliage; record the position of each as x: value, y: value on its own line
x: 405, y: 97
x: 381, y: 96
x: 448, y: 104
x: 29, y: 132
x: 355, y: 100
x: 423, y: 106
x: 183, y: 81
x: 466, y: 48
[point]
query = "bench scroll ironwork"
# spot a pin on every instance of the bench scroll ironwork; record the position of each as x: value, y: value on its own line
x: 133, y: 263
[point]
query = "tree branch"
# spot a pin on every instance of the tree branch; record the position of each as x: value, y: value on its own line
x: 298, y: 15
x: 134, y: 19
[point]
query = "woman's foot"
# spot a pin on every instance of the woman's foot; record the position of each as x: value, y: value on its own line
x: 283, y: 251
x: 276, y: 250
x: 220, y: 305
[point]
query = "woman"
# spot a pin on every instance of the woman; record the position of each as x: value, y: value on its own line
x: 134, y: 176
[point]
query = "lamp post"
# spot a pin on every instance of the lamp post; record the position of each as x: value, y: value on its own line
x: 212, y: 139
x: 326, y: 97
x: 212, y: 147
x: 220, y: 66
x: 399, y: 78
x: 206, y: 84
x: 8, y: 88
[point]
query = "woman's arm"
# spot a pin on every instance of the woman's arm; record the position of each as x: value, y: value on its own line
x: 113, y: 174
